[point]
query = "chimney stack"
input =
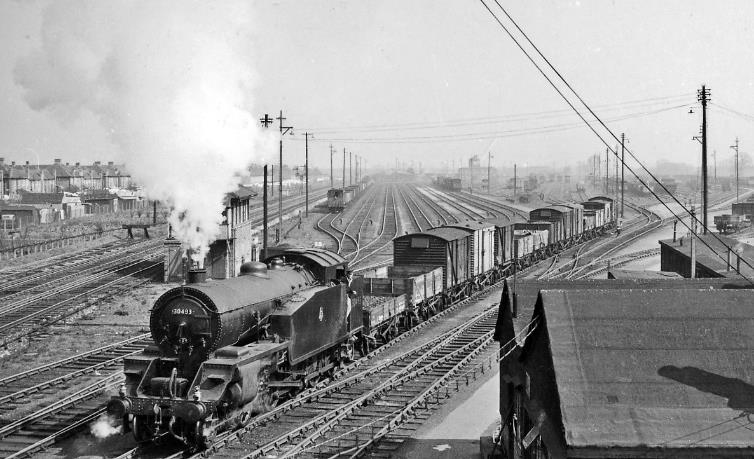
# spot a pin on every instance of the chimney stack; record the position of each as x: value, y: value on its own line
x: 12, y: 163
x: 78, y: 164
x: 57, y: 161
x: 97, y: 163
x: 109, y: 163
x: 27, y: 163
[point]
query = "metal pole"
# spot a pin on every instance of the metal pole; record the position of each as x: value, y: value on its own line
x: 489, y: 160
x: 622, y: 172
x: 154, y: 213
x: 306, y: 167
x: 280, y: 183
x: 344, y: 168
x: 264, y: 213
x: 350, y: 168
x: 693, y: 244
x: 514, y: 181
x: 331, y: 180
x: 607, y: 171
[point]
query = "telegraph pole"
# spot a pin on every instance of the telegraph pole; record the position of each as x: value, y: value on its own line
x: 735, y: 147
x: 489, y: 162
x: 615, y: 190
x: 514, y: 182
x: 344, y: 169
x: 266, y: 121
x: 703, y: 97
x: 350, y: 168
x: 622, y: 172
x: 283, y: 130
x: 331, y: 182
x: 607, y: 171
x: 306, y: 171
x: 264, y: 214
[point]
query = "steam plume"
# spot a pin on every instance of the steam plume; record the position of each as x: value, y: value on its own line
x: 170, y: 81
x: 104, y: 427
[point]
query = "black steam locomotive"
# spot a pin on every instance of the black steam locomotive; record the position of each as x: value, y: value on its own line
x: 225, y: 350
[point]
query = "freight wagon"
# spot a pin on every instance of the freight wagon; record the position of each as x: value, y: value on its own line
x: 609, y: 210
x: 481, y: 257
x: 447, y: 248
x: 503, y: 247
x: 422, y: 291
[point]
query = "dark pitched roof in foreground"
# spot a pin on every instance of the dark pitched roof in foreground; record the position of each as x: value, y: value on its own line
x: 668, y: 372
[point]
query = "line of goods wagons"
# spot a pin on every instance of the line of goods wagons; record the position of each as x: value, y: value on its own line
x: 338, y: 198
x: 446, y: 263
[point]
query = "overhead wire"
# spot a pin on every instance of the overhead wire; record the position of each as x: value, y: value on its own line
x: 469, y: 136
x: 604, y: 126
x: 526, y: 116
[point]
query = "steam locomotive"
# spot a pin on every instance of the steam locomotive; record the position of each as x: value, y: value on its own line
x: 226, y: 350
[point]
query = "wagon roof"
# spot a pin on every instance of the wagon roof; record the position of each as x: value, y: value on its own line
x: 444, y: 233
x: 471, y: 225
x: 503, y: 222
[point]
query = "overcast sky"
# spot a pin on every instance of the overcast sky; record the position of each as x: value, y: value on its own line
x: 438, y: 80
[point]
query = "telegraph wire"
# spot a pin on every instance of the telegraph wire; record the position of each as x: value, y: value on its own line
x: 492, y: 134
x: 592, y: 128
x: 526, y: 116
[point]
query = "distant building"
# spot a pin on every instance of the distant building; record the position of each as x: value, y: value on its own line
x: 59, y: 177
x: 233, y: 246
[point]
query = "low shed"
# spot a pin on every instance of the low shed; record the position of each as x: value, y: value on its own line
x: 633, y: 373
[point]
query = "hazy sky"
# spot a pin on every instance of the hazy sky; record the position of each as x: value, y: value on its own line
x: 438, y: 80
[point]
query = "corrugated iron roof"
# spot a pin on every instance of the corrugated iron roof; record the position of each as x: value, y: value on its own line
x: 650, y: 368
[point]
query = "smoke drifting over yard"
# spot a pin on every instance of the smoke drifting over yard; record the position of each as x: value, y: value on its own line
x: 171, y: 81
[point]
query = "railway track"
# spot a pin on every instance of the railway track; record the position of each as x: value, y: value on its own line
x: 389, y: 229
x: 17, y: 390
x: 45, y: 426
x: 44, y: 404
x: 29, y: 315
x: 39, y: 275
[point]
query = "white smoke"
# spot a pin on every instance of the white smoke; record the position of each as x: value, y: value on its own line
x: 104, y: 427
x: 171, y: 82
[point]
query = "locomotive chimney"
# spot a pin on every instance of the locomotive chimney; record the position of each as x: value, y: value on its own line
x: 196, y: 276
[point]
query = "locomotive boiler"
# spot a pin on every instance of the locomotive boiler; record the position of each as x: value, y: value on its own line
x: 228, y: 349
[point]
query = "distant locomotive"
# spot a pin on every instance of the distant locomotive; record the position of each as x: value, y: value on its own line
x: 225, y: 350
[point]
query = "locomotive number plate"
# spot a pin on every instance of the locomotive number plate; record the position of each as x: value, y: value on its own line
x: 186, y: 311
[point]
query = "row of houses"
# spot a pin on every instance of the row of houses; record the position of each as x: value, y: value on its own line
x: 59, y: 177
x: 31, y: 208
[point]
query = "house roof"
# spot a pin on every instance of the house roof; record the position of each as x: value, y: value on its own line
x: 41, y: 198
x: 669, y: 369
